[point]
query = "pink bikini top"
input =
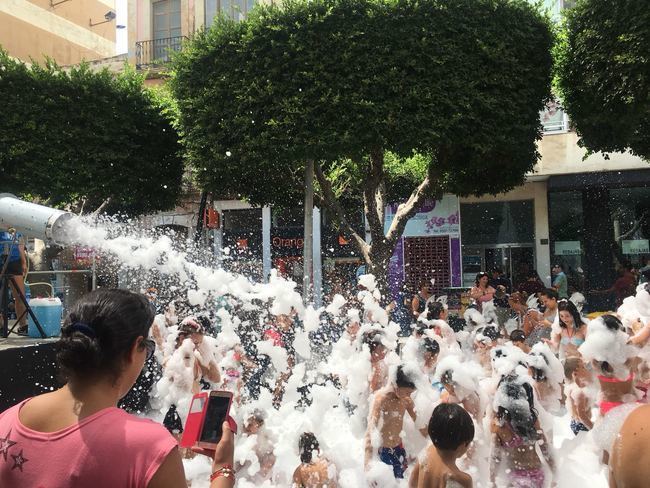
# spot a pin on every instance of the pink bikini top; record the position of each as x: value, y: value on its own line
x: 607, y: 379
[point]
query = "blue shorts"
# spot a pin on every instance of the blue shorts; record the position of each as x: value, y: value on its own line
x: 395, y: 457
x: 577, y: 426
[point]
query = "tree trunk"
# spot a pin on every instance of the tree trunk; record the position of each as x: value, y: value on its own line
x: 377, y: 254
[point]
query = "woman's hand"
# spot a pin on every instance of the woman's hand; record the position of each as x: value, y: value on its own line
x: 225, y: 451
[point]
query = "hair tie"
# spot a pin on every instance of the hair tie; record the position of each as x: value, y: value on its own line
x: 84, y: 329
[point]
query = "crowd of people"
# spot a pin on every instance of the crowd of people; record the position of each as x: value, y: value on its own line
x: 434, y: 407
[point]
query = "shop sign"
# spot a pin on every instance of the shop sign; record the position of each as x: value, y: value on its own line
x: 567, y: 248
x: 435, y: 218
x: 636, y: 246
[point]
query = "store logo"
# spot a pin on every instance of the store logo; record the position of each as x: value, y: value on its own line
x: 290, y: 243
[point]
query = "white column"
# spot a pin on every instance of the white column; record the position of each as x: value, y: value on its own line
x: 317, y: 262
x: 308, y: 248
x: 266, y: 242
x: 218, y: 234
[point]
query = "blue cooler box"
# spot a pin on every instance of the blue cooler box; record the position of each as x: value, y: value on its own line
x: 48, y: 311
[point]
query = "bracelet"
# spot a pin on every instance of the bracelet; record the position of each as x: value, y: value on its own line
x: 226, y: 471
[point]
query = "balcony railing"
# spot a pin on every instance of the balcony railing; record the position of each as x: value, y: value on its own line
x: 156, y: 52
x: 554, y: 118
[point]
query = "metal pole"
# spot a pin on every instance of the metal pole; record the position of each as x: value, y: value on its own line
x: 94, y: 269
x: 308, y: 250
x: 317, y: 261
x: 266, y: 242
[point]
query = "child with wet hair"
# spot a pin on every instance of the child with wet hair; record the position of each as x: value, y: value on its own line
x: 518, y: 338
x: 313, y: 472
x: 378, y: 351
x: 451, y: 431
x: 517, y: 436
x: 429, y: 350
x: 578, y: 398
x: 386, y: 421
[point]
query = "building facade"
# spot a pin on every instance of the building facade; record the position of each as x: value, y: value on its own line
x: 67, y: 31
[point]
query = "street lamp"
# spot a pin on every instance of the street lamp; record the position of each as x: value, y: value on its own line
x: 109, y: 16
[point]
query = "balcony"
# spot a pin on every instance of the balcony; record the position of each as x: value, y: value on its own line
x: 157, y: 52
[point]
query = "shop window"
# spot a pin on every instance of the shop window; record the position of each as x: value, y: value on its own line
x: 497, y: 222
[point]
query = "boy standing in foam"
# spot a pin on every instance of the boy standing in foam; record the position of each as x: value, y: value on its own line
x: 386, y: 423
x: 451, y: 430
x: 579, y: 399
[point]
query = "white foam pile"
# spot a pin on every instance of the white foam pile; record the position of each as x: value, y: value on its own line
x: 336, y: 414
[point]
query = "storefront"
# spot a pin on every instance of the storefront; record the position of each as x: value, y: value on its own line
x: 597, y: 222
x: 429, y: 248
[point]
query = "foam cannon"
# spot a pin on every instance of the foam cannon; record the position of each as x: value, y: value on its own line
x: 33, y: 220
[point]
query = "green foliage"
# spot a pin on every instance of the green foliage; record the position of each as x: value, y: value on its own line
x: 72, y: 136
x: 603, y: 70
x: 458, y: 83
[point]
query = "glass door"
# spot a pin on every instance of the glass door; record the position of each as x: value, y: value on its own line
x: 515, y: 260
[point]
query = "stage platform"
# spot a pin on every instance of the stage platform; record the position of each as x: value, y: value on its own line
x: 27, y: 368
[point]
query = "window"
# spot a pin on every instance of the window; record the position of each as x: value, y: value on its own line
x: 554, y: 118
x: 166, y: 19
x: 234, y: 9
x: 497, y: 222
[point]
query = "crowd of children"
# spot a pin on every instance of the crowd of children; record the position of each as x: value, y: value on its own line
x: 438, y: 408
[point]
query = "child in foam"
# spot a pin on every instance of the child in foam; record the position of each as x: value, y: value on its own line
x: 313, y: 473
x: 451, y: 431
x: 578, y: 392
x: 607, y: 348
x: 460, y: 381
x: 386, y: 423
x: 520, y: 449
x: 379, y: 375
x: 547, y: 374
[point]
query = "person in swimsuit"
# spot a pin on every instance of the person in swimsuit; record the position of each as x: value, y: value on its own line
x: 576, y: 389
x: 482, y: 292
x: 572, y: 332
x: 517, y: 437
x: 419, y: 302
x: 387, y: 416
x: 629, y: 466
x: 313, y: 473
x: 451, y: 431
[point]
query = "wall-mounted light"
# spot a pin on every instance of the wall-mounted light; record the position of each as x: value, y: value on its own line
x: 54, y: 4
x: 109, y: 16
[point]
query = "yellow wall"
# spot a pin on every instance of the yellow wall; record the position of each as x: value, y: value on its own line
x: 32, y: 29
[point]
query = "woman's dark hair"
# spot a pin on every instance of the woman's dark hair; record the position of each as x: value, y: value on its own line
x: 491, y: 332
x: 450, y: 427
x: 423, y: 283
x: 429, y: 345
x: 614, y: 324
x: 307, y: 445
x: 480, y: 275
x: 99, y: 332
x: 523, y: 423
x: 402, y: 380
x: 568, y: 306
x: 517, y: 335
x: 550, y: 293
x: 434, y: 309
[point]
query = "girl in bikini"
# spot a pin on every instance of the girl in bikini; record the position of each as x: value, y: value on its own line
x: 520, y: 449
x: 572, y: 330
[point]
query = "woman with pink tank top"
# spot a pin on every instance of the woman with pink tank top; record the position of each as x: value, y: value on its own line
x: 76, y: 436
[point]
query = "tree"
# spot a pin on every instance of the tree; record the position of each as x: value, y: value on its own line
x: 83, y: 139
x: 603, y: 74
x: 392, y: 99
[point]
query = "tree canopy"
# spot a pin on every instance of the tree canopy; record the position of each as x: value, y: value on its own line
x: 81, y: 138
x: 393, y: 99
x: 604, y: 74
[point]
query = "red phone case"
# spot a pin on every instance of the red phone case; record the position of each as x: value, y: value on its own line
x: 194, y: 422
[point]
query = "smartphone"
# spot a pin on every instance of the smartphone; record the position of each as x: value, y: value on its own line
x: 216, y: 414
x: 208, y: 411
